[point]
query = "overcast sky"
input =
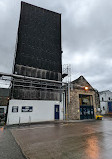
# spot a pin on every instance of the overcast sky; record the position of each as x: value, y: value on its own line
x: 86, y: 37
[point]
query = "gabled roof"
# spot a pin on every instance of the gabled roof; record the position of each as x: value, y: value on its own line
x: 81, y: 82
x: 105, y: 91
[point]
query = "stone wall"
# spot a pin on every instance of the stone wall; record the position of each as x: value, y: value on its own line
x: 77, y: 87
x: 74, y: 108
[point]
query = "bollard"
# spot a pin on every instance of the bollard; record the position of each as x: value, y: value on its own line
x: 8, y: 121
x: 29, y: 120
x: 19, y: 120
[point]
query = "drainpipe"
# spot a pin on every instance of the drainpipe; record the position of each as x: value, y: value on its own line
x: 68, y: 93
x: 67, y: 100
x: 66, y: 117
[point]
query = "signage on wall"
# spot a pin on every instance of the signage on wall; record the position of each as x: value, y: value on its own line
x: 27, y: 109
x: 15, y: 109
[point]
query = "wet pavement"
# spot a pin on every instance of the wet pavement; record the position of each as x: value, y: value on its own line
x: 8, y: 146
x: 83, y: 140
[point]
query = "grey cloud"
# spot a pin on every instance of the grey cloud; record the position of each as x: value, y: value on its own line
x: 86, y: 36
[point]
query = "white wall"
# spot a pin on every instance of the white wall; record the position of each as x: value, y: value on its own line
x: 42, y: 111
x: 104, y: 107
x: 105, y: 95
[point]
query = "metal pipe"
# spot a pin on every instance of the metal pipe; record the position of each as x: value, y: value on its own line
x: 37, y: 87
x: 33, y: 83
x: 29, y: 82
x: 66, y: 107
x: 31, y: 78
x: 68, y: 93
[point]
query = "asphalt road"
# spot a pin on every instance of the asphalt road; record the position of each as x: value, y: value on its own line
x: 86, y: 140
x: 9, y: 149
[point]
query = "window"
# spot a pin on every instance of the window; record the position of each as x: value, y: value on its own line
x: 1, y: 110
x: 103, y: 108
x: 109, y: 98
x: 102, y: 99
x: 85, y: 100
x: 14, y: 109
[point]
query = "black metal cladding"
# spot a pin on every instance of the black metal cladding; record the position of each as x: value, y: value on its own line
x: 39, y: 38
x: 38, y: 54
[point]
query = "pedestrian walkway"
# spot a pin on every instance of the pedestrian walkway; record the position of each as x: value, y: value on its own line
x: 9, y: 149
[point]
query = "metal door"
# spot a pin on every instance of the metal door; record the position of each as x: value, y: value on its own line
x: 56, y: 112
x: 110, y: 107
x: 86, y: 112
x: 92, y: 112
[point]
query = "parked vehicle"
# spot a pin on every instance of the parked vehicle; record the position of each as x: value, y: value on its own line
x: 99, y: 117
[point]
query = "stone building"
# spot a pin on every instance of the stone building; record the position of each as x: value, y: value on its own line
x: 84, y: 100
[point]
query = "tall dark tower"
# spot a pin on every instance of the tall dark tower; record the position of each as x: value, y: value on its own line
x: 38, y: 53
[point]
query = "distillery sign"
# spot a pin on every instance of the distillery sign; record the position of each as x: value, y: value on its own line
x: 27, y: 109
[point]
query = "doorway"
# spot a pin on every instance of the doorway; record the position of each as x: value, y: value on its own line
x: 56, y: 112
x: 86, y: 106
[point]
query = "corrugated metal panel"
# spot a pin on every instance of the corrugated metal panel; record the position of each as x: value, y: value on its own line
x: 38, y: 52
x: 39, y: 38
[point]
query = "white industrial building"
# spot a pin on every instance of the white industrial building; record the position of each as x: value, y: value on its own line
x: 105, y: 97
x: 37, y: 92
x: 30, y: 111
